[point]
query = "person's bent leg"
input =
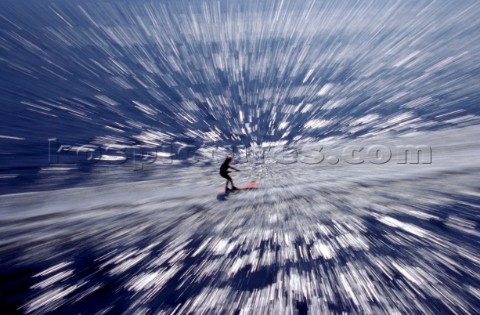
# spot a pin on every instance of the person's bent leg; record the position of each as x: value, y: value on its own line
x: 229, y: 180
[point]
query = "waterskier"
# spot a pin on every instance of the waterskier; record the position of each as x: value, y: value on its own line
x: 224, y: 173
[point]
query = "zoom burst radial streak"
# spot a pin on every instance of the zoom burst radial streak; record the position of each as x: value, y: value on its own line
x: 100, y: 228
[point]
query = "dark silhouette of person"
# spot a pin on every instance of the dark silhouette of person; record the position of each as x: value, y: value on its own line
x: 224, y: 170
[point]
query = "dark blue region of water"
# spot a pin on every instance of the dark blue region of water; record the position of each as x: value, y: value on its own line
x: 87, y: 253
x: 49, y: 83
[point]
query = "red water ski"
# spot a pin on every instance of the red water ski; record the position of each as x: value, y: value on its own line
x: 252, y: 185
x: 248, y: 186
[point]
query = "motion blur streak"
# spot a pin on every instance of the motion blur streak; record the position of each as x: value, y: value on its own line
x: 78, y: 237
